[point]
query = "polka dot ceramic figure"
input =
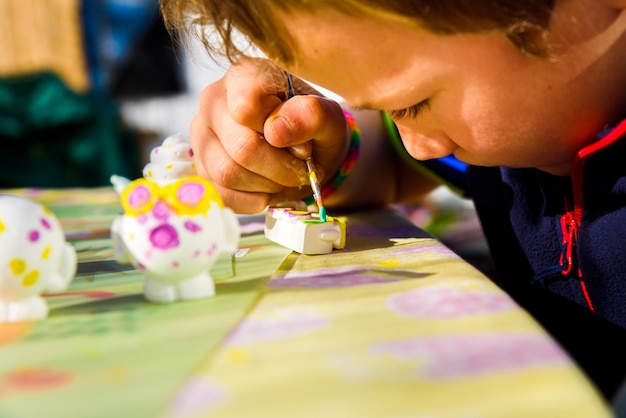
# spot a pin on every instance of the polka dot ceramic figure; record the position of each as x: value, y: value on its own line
x: 174, y: 233
x: 34, y: 259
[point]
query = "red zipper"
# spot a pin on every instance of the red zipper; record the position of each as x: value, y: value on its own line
x: 570, y: 221
x: 569, y: 228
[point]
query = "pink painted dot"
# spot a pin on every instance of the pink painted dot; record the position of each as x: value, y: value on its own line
x: 45, y: 223
x: 175, y: 264
x: 190, y: 152
x: 195, y: 254
x: 164, y: 237
x: 33, y: 236
x: 142, y: 219
x: 161, y: 211
x: 190, y: 193
x: 192, y: 226
x: 139, y: 197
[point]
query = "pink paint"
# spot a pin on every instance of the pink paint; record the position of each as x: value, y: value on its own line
x: 197, y: 395
x: 192, y: 226
x: 45, y: 224
x: 253, y: 331
x: 212, y: 249
x: 328, y: 278
x: 437, y: 250
x: 190, y: 193
x: 190, y: 152
x: 33, y: 236
x: 292, y: 215
x: 161, y: 211
x: 164, y: 237
x: 471, y: 355
x: 139, y: 197
x: 445, y: 303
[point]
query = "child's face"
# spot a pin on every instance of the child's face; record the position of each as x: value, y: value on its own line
x: 486, y: 102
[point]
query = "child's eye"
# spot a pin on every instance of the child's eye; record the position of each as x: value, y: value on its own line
x: 410, y: 112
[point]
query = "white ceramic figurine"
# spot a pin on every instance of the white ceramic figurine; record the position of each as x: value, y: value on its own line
x: 174, y: 225
x: 34, y: 259
x: 174, y: 233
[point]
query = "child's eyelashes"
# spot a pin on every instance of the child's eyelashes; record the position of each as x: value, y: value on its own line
x: 409, y: 112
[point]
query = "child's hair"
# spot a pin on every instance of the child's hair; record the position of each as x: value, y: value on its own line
x: 524, y: 22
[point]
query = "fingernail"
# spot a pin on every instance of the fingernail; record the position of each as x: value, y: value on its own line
x: 301, y: 151
x: 281, y: 127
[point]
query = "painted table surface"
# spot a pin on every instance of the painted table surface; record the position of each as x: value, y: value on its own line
x: 396, y: 325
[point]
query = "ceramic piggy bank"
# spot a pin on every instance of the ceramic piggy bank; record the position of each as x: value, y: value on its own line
x: 34, y: 259
x: 174, y: 233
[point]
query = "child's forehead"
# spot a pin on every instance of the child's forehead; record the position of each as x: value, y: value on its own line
x: 357, y: 56
x: 524, y: 22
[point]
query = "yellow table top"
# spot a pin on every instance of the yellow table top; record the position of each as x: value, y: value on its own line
x: 395, y: 325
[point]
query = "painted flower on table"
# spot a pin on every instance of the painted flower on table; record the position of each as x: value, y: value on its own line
x: 276, y: 324
x: 437, y: 302
x: 429, y: 251
x: 329, y: 278
x: 34, y: 379
x: 472, y: 355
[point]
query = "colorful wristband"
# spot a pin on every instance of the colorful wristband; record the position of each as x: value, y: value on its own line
x: 348, y: 163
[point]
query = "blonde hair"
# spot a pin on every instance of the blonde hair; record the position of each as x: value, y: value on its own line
x: 524, y: 22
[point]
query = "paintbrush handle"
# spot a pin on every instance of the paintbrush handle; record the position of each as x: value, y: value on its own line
x: 315, y: 183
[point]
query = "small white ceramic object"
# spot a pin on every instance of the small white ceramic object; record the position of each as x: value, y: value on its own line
x: 303, y: 231
x: 174, y: 233
x: 34, y: 259
x: 170, y: 161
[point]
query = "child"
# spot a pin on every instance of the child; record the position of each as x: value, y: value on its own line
x: 529, y: 93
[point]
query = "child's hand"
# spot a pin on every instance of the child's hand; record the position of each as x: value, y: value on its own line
x: 243, y: 132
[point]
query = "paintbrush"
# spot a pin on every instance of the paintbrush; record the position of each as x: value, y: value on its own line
x: 308, y: 159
